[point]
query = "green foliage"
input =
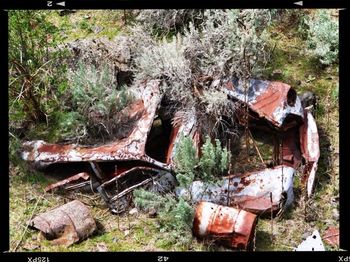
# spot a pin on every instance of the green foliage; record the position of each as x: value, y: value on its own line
x: 186, y: 161
x: 146, y: 200
x: 185, y: 179
x: 71, y: 125
x: 34, y: 70
x: 175, y: 217
x: 96, y: 100
x: 14, y: 146
x: 214, y: 161
x: 84, y: 25
x: 323, y: 38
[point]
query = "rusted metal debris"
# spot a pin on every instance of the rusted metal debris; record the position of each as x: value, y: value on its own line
x: 310, y: 149
x: 70, y: 183
x: 276, y: 102
x: 273, y: 107
x: 116, y: 191
x: 312, y: 243
x: 183, y: 127
x: 250, y: 191
x: 128, y: 148
x: 331, y: 236
x: 66, y: 224
x: 230, y: 226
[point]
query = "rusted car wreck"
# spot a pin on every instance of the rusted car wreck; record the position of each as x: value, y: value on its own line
x: 117, y: 168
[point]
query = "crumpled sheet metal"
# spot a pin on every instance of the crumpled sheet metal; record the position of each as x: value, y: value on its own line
x: 186, y: 127
x: 66, y: 224
x: 274, y: 101
x: 83, y: 176
x: 256, y: 192
x: 233, y: 227
x: 312, y: 243
x: 310, y: 149
x: 129, y: 148
x: 291, y: 154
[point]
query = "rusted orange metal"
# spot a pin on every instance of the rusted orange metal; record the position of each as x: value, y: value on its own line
x: 81, y: 177
x: 310, y: 149
x: 258, y: 192
x: 331, y: 236
x: 186, y: 128
x: 131, y: 147
x: 276, y: 102
x: 291, y: 155
x: 233, y: 227
x: 66, y: 224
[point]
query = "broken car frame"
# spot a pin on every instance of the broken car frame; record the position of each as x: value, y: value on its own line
x: 272, y: 106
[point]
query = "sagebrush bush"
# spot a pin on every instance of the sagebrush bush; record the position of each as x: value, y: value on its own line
x: 97, y: 101
x: 193, y: 65
x: 166, y: 21
x: 323, y: 37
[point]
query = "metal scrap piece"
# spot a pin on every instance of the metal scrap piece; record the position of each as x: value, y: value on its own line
x: 70, y: 181
x: 129, y: 148
x: 310, y: 149
x: 185, y: 127
x: 250, y: 191
x: 230, y: 226
x: 274, y: 101
x: 312, y: 243
x: 331, y: 236
x: 66, y: 224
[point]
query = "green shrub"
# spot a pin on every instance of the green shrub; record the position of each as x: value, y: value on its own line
x: 146, y: 200
x: 214, y: 160
x: 175, y: 216
x: 186, y: 161
x: 96, y: 101
x: 323, y: 37
x: 185, y: 157
x: 34, y: 68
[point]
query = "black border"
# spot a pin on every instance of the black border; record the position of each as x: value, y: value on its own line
x: 4, y: 162
x: 159, y: 4
x: 344, y: 146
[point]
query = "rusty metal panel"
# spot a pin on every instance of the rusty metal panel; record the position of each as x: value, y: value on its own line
x: 184, y: 127
x: 258, y: 192
x: 273, y: 101
x: 66, y: 224
x: 310, y: 149
x: 331, y: 236
x: 233, y: 227
x: 129, y: 148
x: 291, y: 155
x: 83, y: 176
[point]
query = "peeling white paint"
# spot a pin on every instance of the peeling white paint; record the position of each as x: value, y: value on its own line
x: 312, y: 243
